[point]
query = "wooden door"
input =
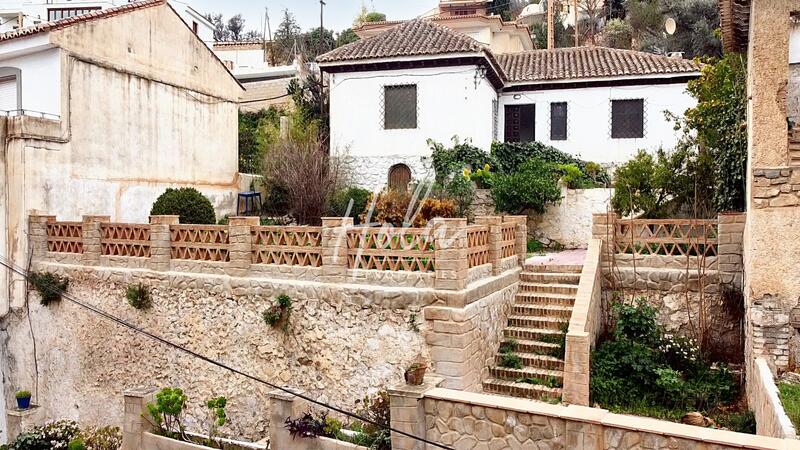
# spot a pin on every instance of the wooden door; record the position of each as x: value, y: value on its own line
x: 399, y: 177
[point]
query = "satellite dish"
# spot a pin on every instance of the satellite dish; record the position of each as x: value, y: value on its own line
x: 670, y: 26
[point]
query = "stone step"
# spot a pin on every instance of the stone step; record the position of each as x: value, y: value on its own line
x: 535, y: 347
x: 532, y: 309
x: 538, y: 361
x: 522, y: 390
x: 554, y: 277
x: 551, y: 288
x: 530, y: 334
x: 539, y: 322
x: 505, y: 373
x: 550, y: 268
x: 545, y: 299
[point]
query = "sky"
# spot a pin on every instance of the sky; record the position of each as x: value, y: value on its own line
x: 338, y: 14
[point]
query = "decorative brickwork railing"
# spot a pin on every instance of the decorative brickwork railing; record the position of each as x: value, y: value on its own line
x: 199, y: 242
x: 125, y: 239
x: 291, y: 246
x: 478, y: 245
x: 65, y: 237
x: 668, y: 237
x: 508, y: 243
x: 406, y: 249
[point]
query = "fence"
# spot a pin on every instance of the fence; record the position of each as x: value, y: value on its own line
x: 443, y: 253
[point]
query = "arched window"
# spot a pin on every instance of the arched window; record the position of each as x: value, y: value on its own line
x: 399, y: 177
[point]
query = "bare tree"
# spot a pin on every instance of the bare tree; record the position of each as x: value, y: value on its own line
x: 593, y: 12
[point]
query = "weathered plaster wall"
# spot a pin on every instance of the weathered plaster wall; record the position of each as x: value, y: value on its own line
x: 340, y: 346
x: 569, y: 222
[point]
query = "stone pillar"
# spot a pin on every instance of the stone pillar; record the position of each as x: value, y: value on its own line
x: 241, y: 245
x: 91, y: 239
x: 576, y: 369
x: 161, y: 241
x: 135, y: 422
x: 603, y: 230
x: 334, y: 247
x: 18, y: 420
x: 495, y: 240
x: 520, y: 237
x: 730, y: 235
x: 450, y: 253
x: 37, y: 226
x: 408, y: 413
x: 282, y: 406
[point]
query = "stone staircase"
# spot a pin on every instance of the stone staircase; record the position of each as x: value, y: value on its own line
x: 537, y: 324
x: 794, y: 146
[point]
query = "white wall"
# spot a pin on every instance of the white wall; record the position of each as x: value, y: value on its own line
x: 589, y: 118
x: 569, y: 222
x: 41, y: 77
x: 449, y: 103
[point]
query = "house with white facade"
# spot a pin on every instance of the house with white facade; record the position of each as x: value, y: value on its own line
x: 99, y: 118
x: 420, y: 80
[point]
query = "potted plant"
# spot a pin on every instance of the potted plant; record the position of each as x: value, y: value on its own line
x: 415, y: 373
x: 23, y: 399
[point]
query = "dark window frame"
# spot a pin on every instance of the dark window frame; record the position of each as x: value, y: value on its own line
x: 403, y: 118
x: 559, y: 123
x: 519, y: 122
x: 628, y: 123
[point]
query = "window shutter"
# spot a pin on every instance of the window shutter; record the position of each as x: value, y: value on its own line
x: 8, y: 94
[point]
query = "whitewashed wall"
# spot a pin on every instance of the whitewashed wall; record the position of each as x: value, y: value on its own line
x: 569, y: 222
x: 449, y: 103
x: 589, y: 118
x: 40, y: 73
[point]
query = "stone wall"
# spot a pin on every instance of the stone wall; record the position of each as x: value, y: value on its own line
x: 776, y: 187
x: 344, y: 342
x: 771, y: 419
x: 373, y: 171
x: 569, y: 222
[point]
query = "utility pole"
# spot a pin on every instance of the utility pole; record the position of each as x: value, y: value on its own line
x: 575, y: 4
x: 269, y: 35
x: 321, y: 29
x: 551, y: 38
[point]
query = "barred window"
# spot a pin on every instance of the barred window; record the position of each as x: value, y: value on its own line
x: 63, y: 13
x: 627, y: 119
x: 558, y: 121
x: 520, y: 123
x: 400, y: 107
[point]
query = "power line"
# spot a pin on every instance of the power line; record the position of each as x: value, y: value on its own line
x: 56, y: 290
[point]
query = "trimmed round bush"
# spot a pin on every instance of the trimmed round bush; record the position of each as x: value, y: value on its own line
x: 188, y: 203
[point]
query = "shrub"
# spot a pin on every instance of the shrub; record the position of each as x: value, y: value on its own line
x: 342, y: 198
x: 138, y: 296
x: 533, y: 187
x: 76, y: 444
x: 30, y: 440
x: 167, y: 412
x: 279, y: 313
x: 636, y: 322
x: 23, y: 394
x: 59, y: 433
x: 217, y: 415
x: 306, y: 426
x: 376, y: 409
x: 447, y: 162
x: 188, y: 203
x: 482, y: 176
x: 431, y: 208
x: 535, y: 246
x: 390, y: 206
x: 461, y: 191
x: 510, y: 157
x: 49, y: 286
x: 102, y: 438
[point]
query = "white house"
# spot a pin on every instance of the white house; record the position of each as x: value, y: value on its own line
x: 100, y: 117
x: 420, y: 80
x: 15, y: 14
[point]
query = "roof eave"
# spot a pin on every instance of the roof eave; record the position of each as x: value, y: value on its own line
x: 353, y: 62
x: 645, y: 77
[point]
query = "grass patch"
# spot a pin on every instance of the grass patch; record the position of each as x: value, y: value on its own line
x: 790, y: 398
x: 510, y: 361
x: 550, y: 382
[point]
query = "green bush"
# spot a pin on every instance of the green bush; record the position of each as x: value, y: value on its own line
x: 532, y: 187
x: 461, y: 191
x: 30, y: 440
x: 76, y: 444
x: 535, y: 246
x: 510, y: 157
x: 23, y: 394
x: 449, y: 162
x: 341, y: 200
x: 279, y: 313
x: 138, y: 296
x: 167, y: 412
x: 49, y: 286
x: 102, y: 438
x: 188, y: 203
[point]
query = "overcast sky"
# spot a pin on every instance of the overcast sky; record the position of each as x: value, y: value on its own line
x: 339, y: 14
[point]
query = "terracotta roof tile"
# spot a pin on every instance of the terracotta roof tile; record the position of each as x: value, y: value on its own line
x: 67, y: 22
x: 588, y: 62
x: 412, y: 38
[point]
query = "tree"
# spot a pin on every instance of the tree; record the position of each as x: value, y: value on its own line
x: 313, y: 47
x: 345, y: 37
x: 593, y: 11
x: 285, y: 37
x: 502, y: 8
x: 615, y: 9
x: 235, y: 27
x: 618, y: 34
x: 220, y: 33
x: 697, y: 22
x: 366, y: 16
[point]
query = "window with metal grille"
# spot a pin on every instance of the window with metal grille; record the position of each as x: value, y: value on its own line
x: 627, y: 119
x: 520, y: 123
x: 558, y: 121
x: 400, y: 107
x: 495, y: 113
x: 64, y: 13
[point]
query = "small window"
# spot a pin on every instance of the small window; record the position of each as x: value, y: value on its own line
x: 195, y: 27
x: 520, y: 123
x: 558, y: 121
x: 65, y: 13
x: 627, y: 119
x: 400, y: 107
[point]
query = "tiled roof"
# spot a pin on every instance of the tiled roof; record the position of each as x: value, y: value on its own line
x: 63, y: 23
x: 413, y: 38
x: 438, y: 18
x: 588, y: 62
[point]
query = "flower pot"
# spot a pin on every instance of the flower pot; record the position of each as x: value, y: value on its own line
x: 415, y: 375
x: 24, y: 402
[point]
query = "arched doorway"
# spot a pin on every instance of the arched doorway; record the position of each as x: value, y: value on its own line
x: 399, y: 177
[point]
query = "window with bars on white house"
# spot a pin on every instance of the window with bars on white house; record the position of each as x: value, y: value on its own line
x: 9, y: 97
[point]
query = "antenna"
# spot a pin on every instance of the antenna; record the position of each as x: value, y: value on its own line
x: 670, y: 26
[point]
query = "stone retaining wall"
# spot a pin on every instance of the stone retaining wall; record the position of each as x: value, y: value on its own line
x: 569, y: 222
x: 771, y: 419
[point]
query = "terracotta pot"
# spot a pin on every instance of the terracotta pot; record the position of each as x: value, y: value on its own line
x: 415, y: 375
